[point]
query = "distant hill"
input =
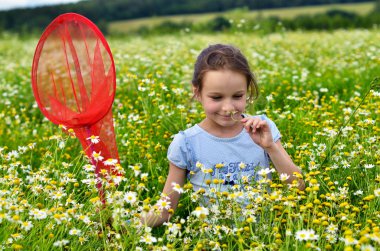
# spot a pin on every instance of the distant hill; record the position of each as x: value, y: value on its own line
x: 102, y: 12
x: 131, y: 25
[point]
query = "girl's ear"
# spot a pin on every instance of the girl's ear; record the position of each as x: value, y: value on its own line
x: 196, y: 93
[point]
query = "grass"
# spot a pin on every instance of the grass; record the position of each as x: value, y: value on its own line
x: 134, y: 24
x: 311, y: 84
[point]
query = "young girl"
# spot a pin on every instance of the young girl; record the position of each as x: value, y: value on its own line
x: 227, y: 144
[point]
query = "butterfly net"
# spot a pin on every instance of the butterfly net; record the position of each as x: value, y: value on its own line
x: 73, y: 78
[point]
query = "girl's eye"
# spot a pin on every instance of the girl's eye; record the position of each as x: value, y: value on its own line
x: 216, y: 98
x: 238, y: 96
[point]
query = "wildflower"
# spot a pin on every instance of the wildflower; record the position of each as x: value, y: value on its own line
x: 163, y: 203
x: 177, y: 188
x: 349, y: 240
x: 201, y: 212
x: 94, y: 139
x: 30, y: 145
x: 359, y: 192
x: 144, y: 176
x: 148, y: 239
x: 22, y: 149
x: 367, y: 248
x: 242, y: 165
x: 97, y: 156
x: 82, y: 239
x: 75, y: 231
x: 84, y: 218
x: 377, y: 192
x: 368, y: 166
x: 38, y: 214
x: 173, y: 228
x: 265, y: 171
x: 61, y: 144
x: 13, y: 154
x: 90, y: 182
x: 58, y: 195
x: 110, y: 162
x: 130, y: 197
x: 61, y: 243
x: 284, y: 177
x: 136, y: 168
x: 305, y: 235
x: 89, y: 168
x: 26, y: 225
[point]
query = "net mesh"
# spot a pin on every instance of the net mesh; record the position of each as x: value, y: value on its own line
x: 74, y: 82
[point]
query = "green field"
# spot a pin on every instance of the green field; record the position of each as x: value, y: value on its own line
x: 134, y: 24
x: 311, y: 83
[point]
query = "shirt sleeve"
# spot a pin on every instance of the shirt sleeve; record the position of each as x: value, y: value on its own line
x: 275, y: 132
x: 178, y: 153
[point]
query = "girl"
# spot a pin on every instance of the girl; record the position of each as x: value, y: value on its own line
x: 227, y: 144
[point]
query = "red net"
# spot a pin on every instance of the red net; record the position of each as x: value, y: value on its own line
x: 74, y: 82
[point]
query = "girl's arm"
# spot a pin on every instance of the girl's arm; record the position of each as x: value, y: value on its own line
x: 260, y: 133
x: 283, y: 163
x: 178, y: 176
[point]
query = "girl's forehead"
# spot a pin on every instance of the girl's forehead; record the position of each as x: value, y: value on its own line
x: 224, y: 79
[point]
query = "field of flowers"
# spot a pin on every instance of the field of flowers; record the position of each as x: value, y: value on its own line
x: 311, y: 85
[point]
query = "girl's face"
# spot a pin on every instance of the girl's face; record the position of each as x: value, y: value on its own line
x: 223, y: 92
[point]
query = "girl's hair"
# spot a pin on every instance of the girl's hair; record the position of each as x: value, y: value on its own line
x: 224, y: 57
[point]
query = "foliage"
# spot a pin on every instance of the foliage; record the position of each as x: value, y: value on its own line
x: 314, y: 85
x: 331, y: 20
x: 101, y: 12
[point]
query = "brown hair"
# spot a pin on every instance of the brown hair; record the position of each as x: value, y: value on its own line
x: 220, y: 56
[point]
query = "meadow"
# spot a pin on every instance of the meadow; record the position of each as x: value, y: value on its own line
x: 316, y: 86
x: 128, y: 26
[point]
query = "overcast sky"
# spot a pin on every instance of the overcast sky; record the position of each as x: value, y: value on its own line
x: 12, y: 4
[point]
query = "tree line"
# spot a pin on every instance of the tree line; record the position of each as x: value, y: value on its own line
x: 101, y: 12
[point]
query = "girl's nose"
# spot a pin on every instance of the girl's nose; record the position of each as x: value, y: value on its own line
x: 228, y: 107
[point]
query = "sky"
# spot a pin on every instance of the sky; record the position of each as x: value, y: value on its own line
x: 12, y: 4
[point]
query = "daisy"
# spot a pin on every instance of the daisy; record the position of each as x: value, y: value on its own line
x: 148, y: 239
x: 89, y: 168
x: 163, y: 204
x: 369, y: 166
x: 97, y: 156
x: 94, y: 139
x: 75, y: 231
x: 349, y: 240
x: 201, y: 212
x: 130, y: 197
x: 38, y: 214
x: 177, y: 188
x: 284, y: 177
x: 110, y: 162
x: 377, y: 192
x: 305, y: 235
x: 56, y: 195
x: 367, y: 248
x: 312, y: 236
x: 264, y: 172
x: 26, y: 225
x: 136, y: 168
x: 358, y: 192
x: 60, y: 243
x: 332, y: 229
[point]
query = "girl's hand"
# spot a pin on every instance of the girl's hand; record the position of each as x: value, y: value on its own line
x: 259, y: 131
